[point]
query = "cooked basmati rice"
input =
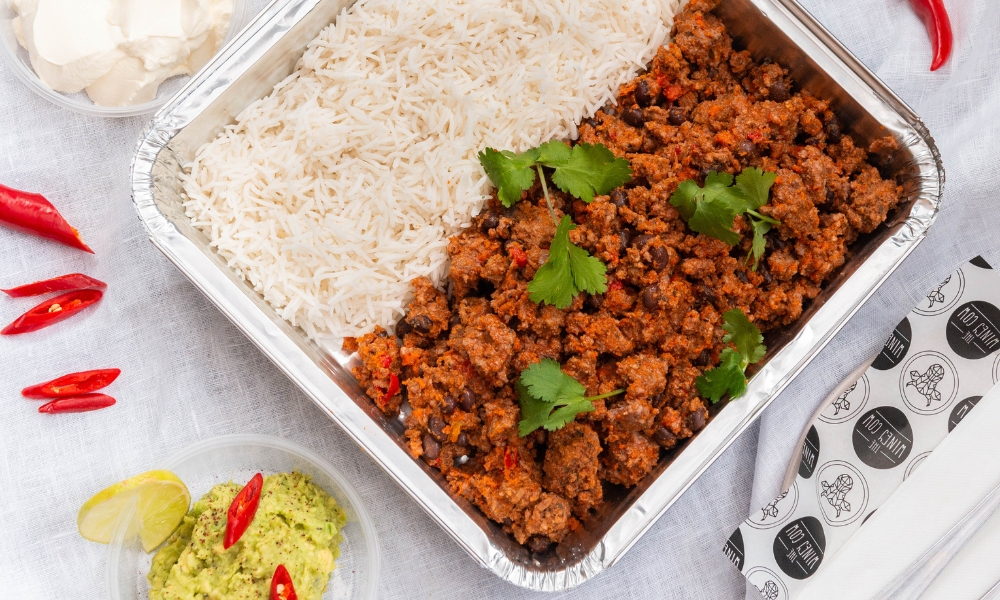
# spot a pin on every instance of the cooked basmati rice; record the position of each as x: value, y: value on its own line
x: 344, y: 184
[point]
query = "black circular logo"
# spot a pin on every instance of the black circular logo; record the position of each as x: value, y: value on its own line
x: 883, y: 437
x: 799, y: 547
x: 734, y: 549
x: 980, y: 262
x: 961, y: 409
x: 895, y: 347
x: 810, y: 453
x: 974, y: 329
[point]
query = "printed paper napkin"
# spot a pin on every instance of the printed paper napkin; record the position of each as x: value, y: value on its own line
x: 931, y: 372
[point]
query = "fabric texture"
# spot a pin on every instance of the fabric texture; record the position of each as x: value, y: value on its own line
x: 188, y: 374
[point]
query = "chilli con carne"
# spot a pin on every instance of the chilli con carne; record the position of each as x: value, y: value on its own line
x: 701, y: 107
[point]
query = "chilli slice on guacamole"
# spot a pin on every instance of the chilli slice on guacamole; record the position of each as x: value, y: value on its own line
x: 297, y: 525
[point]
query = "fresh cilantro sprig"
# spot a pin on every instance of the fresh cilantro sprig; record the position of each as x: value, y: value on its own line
x: 568, y: 271
x: 550, y: 398
x: 711, y: 209
x: 730, y: 376
x: 583, y: 171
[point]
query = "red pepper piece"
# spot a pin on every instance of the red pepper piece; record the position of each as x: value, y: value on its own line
x: 77, y: 404
x: 281, y: 585
x: 72, y: 384
x: 393, y: 388
x: 520, y: 256
x: 935, y: 16
x: 510, y: 459
x: 52, y: 311
x: 242, y: 511
x: 33, y: 214
x: 63, y: 283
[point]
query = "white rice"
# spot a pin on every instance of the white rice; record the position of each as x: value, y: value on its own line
x: 344, y: 184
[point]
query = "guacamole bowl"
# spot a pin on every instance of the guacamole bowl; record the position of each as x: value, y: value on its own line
x: 237, y: 458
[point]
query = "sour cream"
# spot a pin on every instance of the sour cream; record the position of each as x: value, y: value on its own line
x: 120, y: 51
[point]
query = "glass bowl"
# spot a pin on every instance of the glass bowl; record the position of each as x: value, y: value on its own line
x: 237, y: 458
x: 17, y: 60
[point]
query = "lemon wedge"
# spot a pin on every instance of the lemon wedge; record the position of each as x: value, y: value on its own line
x: 160, y: 499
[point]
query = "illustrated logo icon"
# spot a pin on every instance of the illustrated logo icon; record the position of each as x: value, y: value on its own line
x: 961, y: 409
x: 910, y: 468
x: 810, y: 453
x: 935, y: 295
x: 734, y: 549
x: 895, y: 347
x: 926, y: 382
x: 883, y: 437
x: 843, y: 493
x: 778, y: 511
x: 770, y: 590
x: 944, y: 296
x: 799, y: 546
x: 980, y: 262
x: 836, y: 493
x: 767, y: 583
x: 848, y: 404
x: 973, y: 330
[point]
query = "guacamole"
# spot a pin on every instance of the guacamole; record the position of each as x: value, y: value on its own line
x: 297, y: 525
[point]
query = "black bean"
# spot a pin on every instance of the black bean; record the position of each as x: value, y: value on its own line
x: 619, y: 198
x: 660, y: 257
x: 436, y: 426
x: 677, y: 116
x: 776, y: 242
x: 641, y: 240
x: 643, y: 95
x: 703, y: 358
x: 463, y: 439
x: 403, y: 328
x: 454, y: 320
x: 421, y: 323
x: 742, y: 276
x: 696, y: 420
x: 610, y: 110
x: 432, y: 447
x: 507, y: 522
x: 830, y: 196
x: 634, y: 117
x: 707, y: 294
x: 490, y: 221
x: 595, y: 302
x: 778, y: 91
x: 746, y: 148
x: 664, y: 437
x: 649, y: 299
x: 539, y: 543
x: 448, y: 404
x: 833, y: 132
x: 468, y: 400
x: 625, y: 238
x: 589, y: 121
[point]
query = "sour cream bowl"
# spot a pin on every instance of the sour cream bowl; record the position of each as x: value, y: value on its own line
x: 237, y: 458
x: 18, y: 60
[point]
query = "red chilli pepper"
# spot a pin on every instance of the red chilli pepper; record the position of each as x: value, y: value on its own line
x: 242, y: 511
x: 63, y: 283
x: 393, y: 388
x: 72, y: 384
x: 935, y: 16
x: 77, y: 404
x: 33, y: 214
x: 520, y: 256
x: 281, y: 585
x: 52, y: 311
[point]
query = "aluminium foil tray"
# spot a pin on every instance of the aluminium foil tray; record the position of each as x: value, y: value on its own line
x: 266, y: 52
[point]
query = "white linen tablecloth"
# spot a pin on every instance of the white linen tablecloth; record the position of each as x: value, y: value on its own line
x: 188, y: 374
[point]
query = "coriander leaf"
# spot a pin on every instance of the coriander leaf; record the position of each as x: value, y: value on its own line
x: 545, y: 380
x: 728, y: 378
x: 590, y: 169
x: 568, y: 271
x: 686, y: 198
x: 589, y: 273
x: 755, y: 185
x: 743, y: 334
x: 550, y: 398
x: 510, y: 173
x: 757, y: 248
x: 715, y: 218
x: 554, y: 153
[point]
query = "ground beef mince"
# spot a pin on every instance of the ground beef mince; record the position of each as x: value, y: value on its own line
x: 701, y: 106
